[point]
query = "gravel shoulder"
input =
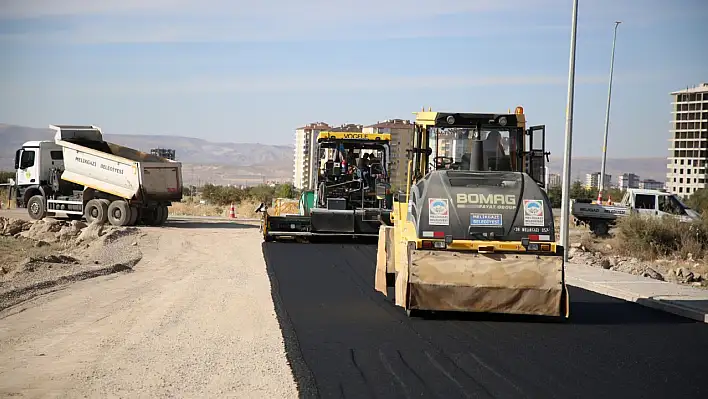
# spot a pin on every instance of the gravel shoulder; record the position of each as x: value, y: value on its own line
x: 39, y: 256
x: 194, y: 318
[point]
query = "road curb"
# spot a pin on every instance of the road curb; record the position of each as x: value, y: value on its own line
x: 650, y: 302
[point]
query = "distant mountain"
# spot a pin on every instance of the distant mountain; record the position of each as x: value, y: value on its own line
x: 249, y: 163
x: 204, y: 161
x: 645, y: 168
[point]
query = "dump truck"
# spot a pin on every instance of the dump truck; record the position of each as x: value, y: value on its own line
x: 348, y: 190
x: 600, y: 217
x: 81, y: 175
x: 474, y: 229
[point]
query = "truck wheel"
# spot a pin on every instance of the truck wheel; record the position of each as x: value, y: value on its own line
x: 149, y: 216
x: 134, y: 215
x: 159, y: 215
x: 165, y: 214
x: 119, y: 213
x: 600, y: 229
x: 96, y: 211
x: 36, y: 208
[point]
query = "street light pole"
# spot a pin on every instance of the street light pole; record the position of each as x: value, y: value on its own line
x: 607, y: 116
x: 565, y: 211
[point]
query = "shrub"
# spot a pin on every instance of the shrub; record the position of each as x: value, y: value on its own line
x: 699, y: 201
x: 225, y: 195
x: 651, y: 237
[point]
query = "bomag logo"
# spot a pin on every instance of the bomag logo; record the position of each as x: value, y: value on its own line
x: 497, y: 201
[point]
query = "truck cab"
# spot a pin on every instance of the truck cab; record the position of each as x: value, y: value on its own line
x: 658, y: 203
x: 34, y: 163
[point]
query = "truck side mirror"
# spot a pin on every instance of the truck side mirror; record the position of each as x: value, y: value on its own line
x: 17, y: 158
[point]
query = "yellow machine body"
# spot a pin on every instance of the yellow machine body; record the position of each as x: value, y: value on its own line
x: 433, y: 266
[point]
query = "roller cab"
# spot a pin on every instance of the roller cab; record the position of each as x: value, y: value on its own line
x: 474, y: 230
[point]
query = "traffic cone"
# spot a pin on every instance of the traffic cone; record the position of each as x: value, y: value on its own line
x: 599, y: 197
x: 609, y: 199
x: 232, y: 212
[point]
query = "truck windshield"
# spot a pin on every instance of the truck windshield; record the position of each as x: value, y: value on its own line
x: 455, y: 144
x: 677, y: 199
x: 686, y: 209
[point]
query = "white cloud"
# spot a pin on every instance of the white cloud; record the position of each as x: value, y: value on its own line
x: 112, y: 21
x: 283, y: 84
x: 311, y: 9
x: 16, y: 9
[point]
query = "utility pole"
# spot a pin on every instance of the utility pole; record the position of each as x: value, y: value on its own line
x: 607, y: 117
x: 565, y: 211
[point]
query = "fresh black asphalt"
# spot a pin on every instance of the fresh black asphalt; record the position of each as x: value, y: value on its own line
x: 345, y: 340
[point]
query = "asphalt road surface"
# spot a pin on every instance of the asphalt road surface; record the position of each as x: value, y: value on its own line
x: 344, y: 339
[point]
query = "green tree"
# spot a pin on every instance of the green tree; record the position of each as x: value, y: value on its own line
x: 555, y: 195
x: 222, y: 195
x: 262, y: 193
x: 579, y: 191
x: 6, y: 175
x: 699, y: 200
x: 286, y: 190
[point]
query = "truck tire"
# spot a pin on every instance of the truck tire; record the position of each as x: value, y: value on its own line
x: 149, y: 216
x: 165, y: 214
x: 96, y: 211
x: 36, y: 208
x: 159, y: 215
x: 119, y: 213
x: 600, y: 229
x: 134, y: 215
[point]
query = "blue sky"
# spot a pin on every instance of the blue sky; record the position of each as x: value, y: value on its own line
x: 254, y: 71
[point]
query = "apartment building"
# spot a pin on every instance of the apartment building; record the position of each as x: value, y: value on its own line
x: 303, y: 135
x: 651, y: 184
x: 401, y: 132
x: 553, y: 180
x: 592, y: 180
x: 688, y: 142
x: 628, y: 180
x: 349, y: 127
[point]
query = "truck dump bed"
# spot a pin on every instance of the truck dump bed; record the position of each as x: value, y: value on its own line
x: 115, y: 169
x: 598, y: 211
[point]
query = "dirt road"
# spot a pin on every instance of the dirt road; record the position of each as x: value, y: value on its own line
x: 194, y: 319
